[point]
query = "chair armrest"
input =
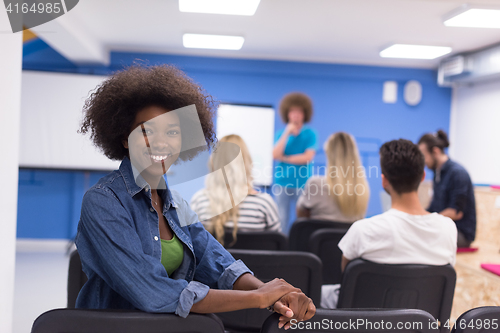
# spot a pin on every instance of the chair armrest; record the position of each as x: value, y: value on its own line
x: 122, y: 321
x: 359, y: 320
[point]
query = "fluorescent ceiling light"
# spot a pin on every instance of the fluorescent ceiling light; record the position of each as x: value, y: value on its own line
x: 414, y: 51
x: 476, y: 18
x: 228, y: 7
x: 212, y: 42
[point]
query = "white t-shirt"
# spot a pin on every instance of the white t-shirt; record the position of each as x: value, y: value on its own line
x: 395, y: 237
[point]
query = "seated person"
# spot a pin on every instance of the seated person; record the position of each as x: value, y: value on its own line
x: 141, y: 245
x: 453, y: 190
x: 405, y: 234
x: 256, y: 212
x: 342, y: 194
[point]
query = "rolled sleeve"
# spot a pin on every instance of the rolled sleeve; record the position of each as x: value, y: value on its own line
x: 192, y: 294
x: 232, y: 273
x: 215, y: 267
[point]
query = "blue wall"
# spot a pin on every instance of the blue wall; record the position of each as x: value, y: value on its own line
x: 346, y: 98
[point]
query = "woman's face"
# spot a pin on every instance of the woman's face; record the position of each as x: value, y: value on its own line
x: 296, y: 115
x: 155, y: 141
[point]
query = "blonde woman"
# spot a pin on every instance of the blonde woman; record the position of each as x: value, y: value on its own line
x: 257, y: 212
x: 342, y: 194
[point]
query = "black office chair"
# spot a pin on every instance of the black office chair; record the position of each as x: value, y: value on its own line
x: 484, y: 319
x: 369, y: 285
x: 71, y: 320
x: 324, y: 244
x: 121, y: 321
x: 300, y: 269
x: 76, y: 278
x: 302, y: 230
x: 359, y: 321
x: 256, y: 240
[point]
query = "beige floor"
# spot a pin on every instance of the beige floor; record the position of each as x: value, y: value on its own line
x: 476, y: 286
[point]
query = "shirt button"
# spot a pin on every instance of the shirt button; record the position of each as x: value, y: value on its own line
x: 147, y: 189
x: 151, y: 209
x: 156, y: 238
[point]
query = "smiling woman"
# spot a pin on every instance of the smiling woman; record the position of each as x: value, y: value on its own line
x: 141, y: 245
x: 154, y: 142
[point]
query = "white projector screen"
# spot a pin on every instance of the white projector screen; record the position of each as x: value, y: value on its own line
x: 51, y: 113
x: 255, y: 125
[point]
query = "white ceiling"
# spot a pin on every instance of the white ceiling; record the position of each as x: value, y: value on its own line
x: 334, y: 31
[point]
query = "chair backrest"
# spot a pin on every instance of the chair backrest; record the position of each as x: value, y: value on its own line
x: 256, y: 240
x: 369, y: 285
x: 76, y: 278
x: 302, y: 230
x: 109, y: 321
x: 484, y: 319
x: 359, y: 321
x: 300, y: 269
x: 324, y: 244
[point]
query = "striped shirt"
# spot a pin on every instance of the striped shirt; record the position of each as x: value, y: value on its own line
x: 257, y: 212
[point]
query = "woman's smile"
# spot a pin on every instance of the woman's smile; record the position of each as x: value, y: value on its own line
x: 155, y: 141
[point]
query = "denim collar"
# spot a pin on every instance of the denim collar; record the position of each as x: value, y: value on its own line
x: 135, y: 183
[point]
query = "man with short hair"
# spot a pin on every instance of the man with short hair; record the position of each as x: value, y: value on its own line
x: 405, y: 234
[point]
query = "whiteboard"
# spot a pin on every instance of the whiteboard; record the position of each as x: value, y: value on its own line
x: 51, y: 114
x: 255, y: 125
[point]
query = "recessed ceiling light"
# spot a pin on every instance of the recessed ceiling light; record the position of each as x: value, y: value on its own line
x: 219, y: 42
x: 228, y: 7
x: 415, y: 51
x: 475, y: 18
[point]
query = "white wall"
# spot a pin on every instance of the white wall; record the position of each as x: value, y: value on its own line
x: 475, y: 130
x: 10, y: 100
x: 40, y: 280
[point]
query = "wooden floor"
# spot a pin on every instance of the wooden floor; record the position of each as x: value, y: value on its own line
x: 476, y: 286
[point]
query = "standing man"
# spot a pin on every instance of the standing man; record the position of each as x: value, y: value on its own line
x: 294, y: 150
x: 453, y: 190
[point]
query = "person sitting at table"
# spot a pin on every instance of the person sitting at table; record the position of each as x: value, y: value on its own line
x: 140, y: 244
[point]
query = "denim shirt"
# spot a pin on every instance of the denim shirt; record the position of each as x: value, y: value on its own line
x: 119, y: 244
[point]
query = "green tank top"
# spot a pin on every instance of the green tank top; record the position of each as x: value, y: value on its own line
x: 172, y: 254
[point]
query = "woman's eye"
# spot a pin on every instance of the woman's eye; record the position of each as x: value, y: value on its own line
x: 147, y: 131
x: 174, y: 132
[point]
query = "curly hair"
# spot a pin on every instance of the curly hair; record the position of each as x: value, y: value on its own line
x: 296, y: 99
x: 402, y: 163
x: 110, y: 111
